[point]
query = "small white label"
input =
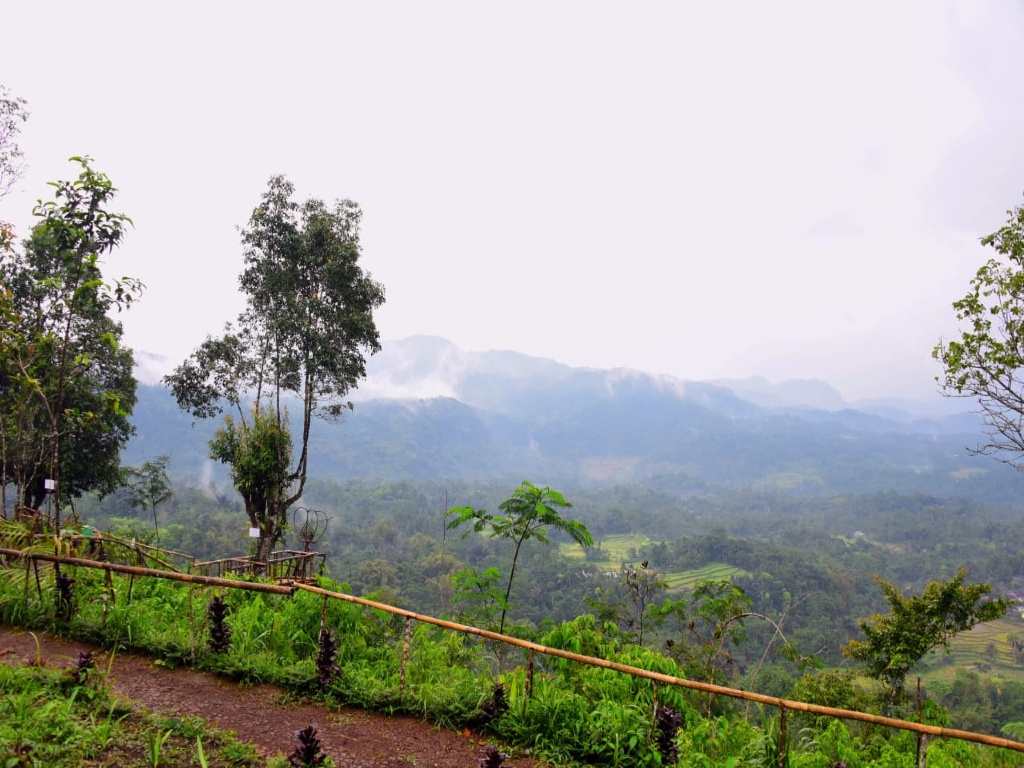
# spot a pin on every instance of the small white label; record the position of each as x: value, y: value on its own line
x: 254, y: 533
x: 48, y: 484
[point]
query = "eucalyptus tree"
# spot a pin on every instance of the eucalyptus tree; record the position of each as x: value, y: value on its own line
x: 301, y: 342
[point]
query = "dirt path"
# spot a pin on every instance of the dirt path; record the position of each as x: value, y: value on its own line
x: 262, y: 715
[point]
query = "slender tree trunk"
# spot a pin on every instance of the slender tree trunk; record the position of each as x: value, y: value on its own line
x: 508, y: 589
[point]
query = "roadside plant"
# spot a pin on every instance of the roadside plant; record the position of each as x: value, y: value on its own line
x: 149, y: 486
x: 478, y: 596
x: 667, y: 725
x: 67, y: 383
x: 220, y: 632
x: 984, y: 363
x: 629, y: 600
x: 497, y: 705
x: 326, y: 658
x: 83, y: 666
x: 708, y: 623
x: 493, y: 757
x: 156, y: 744
x: 65, y: 594
x: 308, y: 753
x: 200, y: 753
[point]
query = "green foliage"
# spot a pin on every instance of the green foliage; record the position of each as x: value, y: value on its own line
x: 66, y: 383
x: 576, y: 714
x: 48, y: 719
x: 986, y: 361
x: 706, y: 626
x: 916, y: 625
x: 258, y: 450
x: 827, y: 688
x: 528, y: 514
x: 628, y: 601
x: 478, y: 597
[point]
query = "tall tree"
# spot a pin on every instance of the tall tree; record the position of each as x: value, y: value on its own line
x: 894, y: 644
x: 527, y: 514
x: 302, y: 339
x: 66, y: 382
x: 987, y: 361
x: 149, y: 486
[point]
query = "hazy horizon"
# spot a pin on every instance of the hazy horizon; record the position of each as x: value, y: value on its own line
x: 699, y: 191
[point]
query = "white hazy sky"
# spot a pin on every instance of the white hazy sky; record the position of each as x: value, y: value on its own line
x: 703, y: 189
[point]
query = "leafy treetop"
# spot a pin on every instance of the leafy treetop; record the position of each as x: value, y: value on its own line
x: 987, y: 361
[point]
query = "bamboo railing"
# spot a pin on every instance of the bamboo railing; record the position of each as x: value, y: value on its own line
x: 784, y: 705
x: 136, y: 570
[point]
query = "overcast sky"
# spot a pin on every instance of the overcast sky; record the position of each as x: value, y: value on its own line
x: 705, y: 190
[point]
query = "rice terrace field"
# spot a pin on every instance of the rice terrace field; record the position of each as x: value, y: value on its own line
x: 987, y: 648
x: 623, y: 548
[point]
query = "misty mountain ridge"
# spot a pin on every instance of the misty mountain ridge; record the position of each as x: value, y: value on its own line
x: 425, y: 367
x: 429, y: 410
x: 428, y: 366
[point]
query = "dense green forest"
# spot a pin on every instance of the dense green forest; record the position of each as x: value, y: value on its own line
x: 807, y: 563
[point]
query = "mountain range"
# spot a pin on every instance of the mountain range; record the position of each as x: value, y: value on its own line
x: 429, y: 410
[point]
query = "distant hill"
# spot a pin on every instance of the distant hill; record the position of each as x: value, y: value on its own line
x: 429, y: 410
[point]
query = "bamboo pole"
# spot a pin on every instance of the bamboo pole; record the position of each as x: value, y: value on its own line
x: 405, y: 653
x: 774, y: 701
x: 134, y: 570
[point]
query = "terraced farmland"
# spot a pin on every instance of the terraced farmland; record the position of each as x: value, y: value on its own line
x: 620, y: 548
x: 710, y: 572
x: 624, y: 548
x: 987, y: 647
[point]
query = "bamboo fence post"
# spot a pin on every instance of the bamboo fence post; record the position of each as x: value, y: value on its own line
x: 405, y: 653
x: 529, y: 675
x: 191, y: 626
x: 783, y: 762
x: 654, y: 711
x: 922, y: 741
